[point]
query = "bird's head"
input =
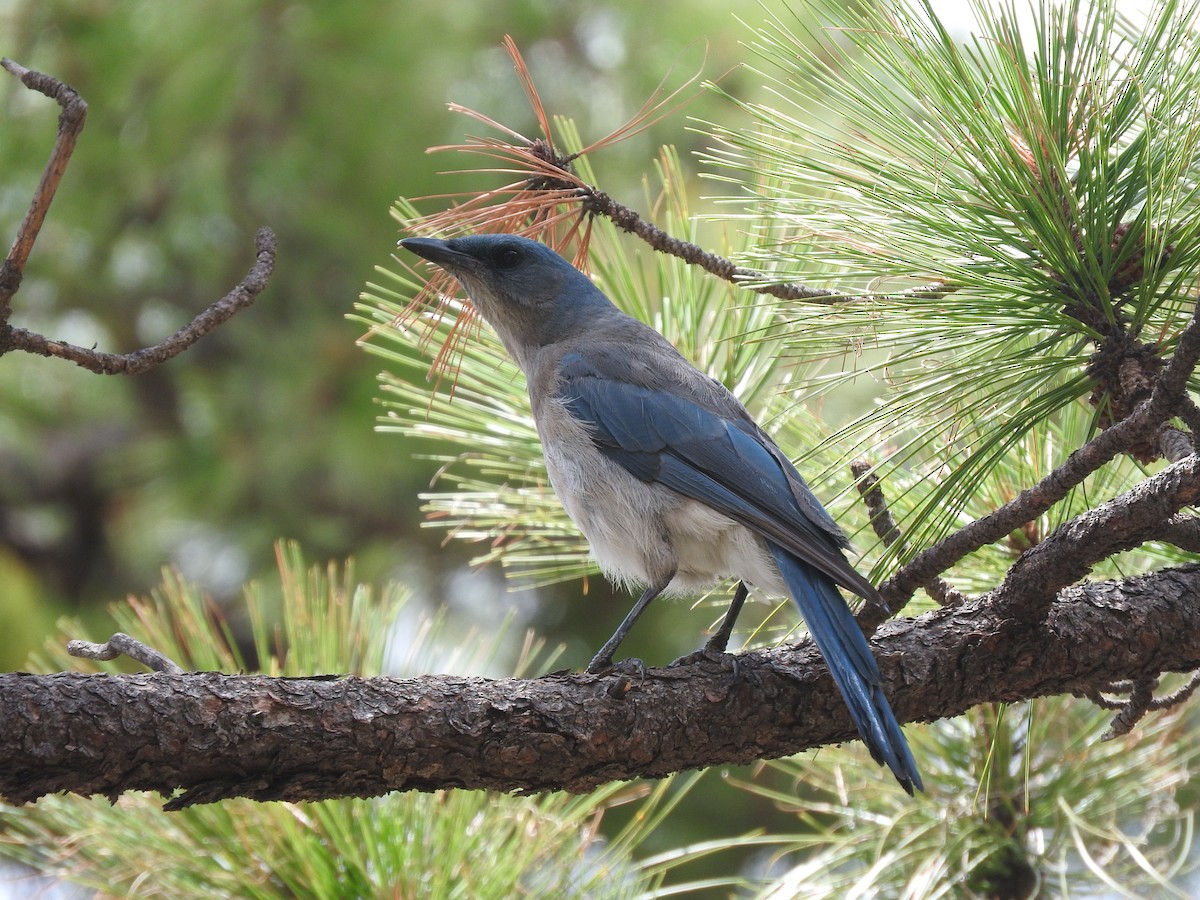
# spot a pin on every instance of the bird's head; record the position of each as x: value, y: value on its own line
x: 529, y: 294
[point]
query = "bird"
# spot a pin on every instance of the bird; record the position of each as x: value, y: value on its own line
x: 674, y: 485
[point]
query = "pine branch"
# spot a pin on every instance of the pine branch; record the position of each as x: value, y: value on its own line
x: 219, y: 736
x: 1166, y: 398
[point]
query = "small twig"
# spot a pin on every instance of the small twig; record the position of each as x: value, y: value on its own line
x: 886, y: 529
x: 1140, y: 702
x: 121, y: 644
x: 1179, y: 696
x: 597, y: 202
x: 1098, y: 698
x: 70, y: 123
x: 139, y: 361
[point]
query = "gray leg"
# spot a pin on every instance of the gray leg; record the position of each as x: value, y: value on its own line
x: 719, y: 641
x: 604, y: 659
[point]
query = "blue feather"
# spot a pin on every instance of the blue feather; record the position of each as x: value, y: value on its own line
x: 853, y: 666
x: 727, y: 463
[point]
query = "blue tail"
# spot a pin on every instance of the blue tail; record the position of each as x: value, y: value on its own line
x: 851, y: 663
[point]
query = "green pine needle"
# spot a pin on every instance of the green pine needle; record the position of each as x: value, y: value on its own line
x: 1047, y: 177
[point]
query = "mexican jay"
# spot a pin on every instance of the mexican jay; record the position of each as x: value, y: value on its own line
x: 663, y: 470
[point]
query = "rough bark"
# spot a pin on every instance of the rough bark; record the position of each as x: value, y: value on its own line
x: 219, y: 736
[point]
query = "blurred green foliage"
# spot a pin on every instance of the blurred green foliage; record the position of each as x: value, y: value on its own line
x: 206, y: 121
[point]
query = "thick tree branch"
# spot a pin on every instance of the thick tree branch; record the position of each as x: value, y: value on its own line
x: 222, y: 736
x: 1123, y: 523
x: 1182, y: 531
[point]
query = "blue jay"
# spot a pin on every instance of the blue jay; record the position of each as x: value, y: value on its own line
x: 672, y: 483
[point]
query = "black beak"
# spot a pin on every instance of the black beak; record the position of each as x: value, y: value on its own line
x: 440, y: 252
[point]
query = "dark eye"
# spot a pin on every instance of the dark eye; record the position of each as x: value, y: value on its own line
x: 508, y: 257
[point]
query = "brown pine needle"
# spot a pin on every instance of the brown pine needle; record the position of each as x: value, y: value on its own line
x: 548, y: 202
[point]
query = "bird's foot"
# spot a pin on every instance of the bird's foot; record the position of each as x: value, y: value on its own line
x: 714, y: 653
x: 630, y: 673
x: 602, y: 665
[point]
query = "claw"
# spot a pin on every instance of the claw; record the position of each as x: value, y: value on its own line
x: 628, y: 667
x: 713, y: 652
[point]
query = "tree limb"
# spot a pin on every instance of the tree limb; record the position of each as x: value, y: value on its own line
x: 1169, y: 390
x: 70, y: 124
x: 220, y: 736
x: 1124, y: 522
x: 241, y: 296
x: 12, y: 271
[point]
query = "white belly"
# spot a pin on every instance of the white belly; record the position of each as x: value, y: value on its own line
x: 640, y: 532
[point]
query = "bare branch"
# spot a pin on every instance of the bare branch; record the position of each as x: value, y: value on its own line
x: 1179, y: 696
x: 1141, y: 698
x: 241, y: 296
x: 1141, y: 701
x: 70, y: 123
x: 886, y: 529
x: 121, y: 644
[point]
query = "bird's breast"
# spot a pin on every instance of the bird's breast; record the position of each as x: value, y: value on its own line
x: 638, y: 531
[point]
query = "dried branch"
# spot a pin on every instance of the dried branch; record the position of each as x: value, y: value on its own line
x: 70, y: 123
x: 241, y: 296
x: 886, y: 529
x: 121, y: 644
x: 1141, y: 701
x: 1141, y: 698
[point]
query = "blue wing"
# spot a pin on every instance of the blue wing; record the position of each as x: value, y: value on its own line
x: 722, y: 460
